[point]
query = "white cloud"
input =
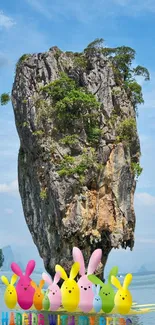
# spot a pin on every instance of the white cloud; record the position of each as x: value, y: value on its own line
x: 8, y: 211
x: 145, y: 199
x: 11, y: 188
x: 145, y: 240
x: 5, y: 21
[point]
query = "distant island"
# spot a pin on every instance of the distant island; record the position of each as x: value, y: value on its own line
x: 10, y: 256
x: 142, y: 271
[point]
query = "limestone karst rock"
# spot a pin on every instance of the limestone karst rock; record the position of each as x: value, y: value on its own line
x: 64, y: 209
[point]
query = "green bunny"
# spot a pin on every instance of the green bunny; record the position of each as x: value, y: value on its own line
x: 107, y: 292
x: 46, y: 302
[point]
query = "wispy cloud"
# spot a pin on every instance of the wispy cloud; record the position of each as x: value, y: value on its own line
x: 145, y: 240
x: 11, y: 188
x: 8, y: 211
x: 85, y: 13
x: 6, y: 21
x: 146, y: 199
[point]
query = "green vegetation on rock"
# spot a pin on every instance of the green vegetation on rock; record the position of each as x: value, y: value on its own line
x: 4, y: 98
x: 137, y: 169
x: 126, y: 130
x: 22, y: 58
x: 70, y: 103
x: 43, y: 194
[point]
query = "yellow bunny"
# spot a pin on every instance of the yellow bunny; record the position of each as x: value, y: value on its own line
x: 123, y: 297
x: 69, y: 290
x: 10, y: 295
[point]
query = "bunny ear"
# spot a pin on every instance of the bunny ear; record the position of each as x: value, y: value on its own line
x: 47, y: 278
x: 33, y: 284
x: 94, y: 279
x: 60, y: 269
x: 94, y: 289
x: 41, y: 284
x: 74, y: 270
x: 127, y: 281
x: 94, y: 261
x: 98, y: 289
x: 5, y: 280
x: 16, y: 269
x: 116, y: 283
x: 78, y: 257
x: 14, y: 279
x: 57, y: 277
x: 113, y: 271
x: 30, y: 267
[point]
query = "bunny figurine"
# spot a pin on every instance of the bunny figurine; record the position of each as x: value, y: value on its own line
x: 10, y: 295
x: 107, y: 292
x: 86, y: 292
x: 38, y: 296
x: 25, y: 291
x: 97, y: 302
x: 54, y: 291
x: 69, y: 289
x: 123, y: 297
x: 46, y: 301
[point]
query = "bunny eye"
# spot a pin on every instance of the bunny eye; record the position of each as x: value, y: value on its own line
x: 73, y: 288
x: 81, y: 286
x: 66, y: 287
x: 120, y: 295
x: 89, y: 287
x: 126, y: 295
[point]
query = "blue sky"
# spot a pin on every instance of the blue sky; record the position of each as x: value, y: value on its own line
x: 28, y: 26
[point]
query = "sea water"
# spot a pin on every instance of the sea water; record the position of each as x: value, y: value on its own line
x: 142, y: 290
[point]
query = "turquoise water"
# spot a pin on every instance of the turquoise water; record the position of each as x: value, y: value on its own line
x: 142, y: 289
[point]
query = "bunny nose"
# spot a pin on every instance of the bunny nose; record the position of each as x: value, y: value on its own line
x: 85, y: 288
x: 106, y: 294
x: 25, y: 288
x: 69, y: 291
x: 10, y: 293
x: 123, y: 298
x: 53, y: 293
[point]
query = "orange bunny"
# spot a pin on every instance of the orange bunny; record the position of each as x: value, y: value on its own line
x: 38, y: 295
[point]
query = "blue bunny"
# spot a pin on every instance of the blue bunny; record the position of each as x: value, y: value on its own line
x: 97, y: 302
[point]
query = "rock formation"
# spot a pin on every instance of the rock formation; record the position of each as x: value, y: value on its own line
x: 92, y: 208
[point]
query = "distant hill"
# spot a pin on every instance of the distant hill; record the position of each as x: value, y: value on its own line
x: 143, y: 269
x: 9, y: 257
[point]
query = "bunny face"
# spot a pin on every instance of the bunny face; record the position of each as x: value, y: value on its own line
x: 25, y: 291
x: 54, y: 292
x: 85, y: 286
x: 70, y: 290
x: 10, y: 295
x: 123, y: 298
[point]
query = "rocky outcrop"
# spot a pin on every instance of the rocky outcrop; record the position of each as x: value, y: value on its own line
x: 63, y: 211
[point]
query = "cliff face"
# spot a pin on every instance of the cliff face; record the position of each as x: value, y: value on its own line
x: 62, y: 209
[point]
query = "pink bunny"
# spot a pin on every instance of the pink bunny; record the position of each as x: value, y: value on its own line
x: 25, y: 291
x: 86, y: 292
x: 54, y: 291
